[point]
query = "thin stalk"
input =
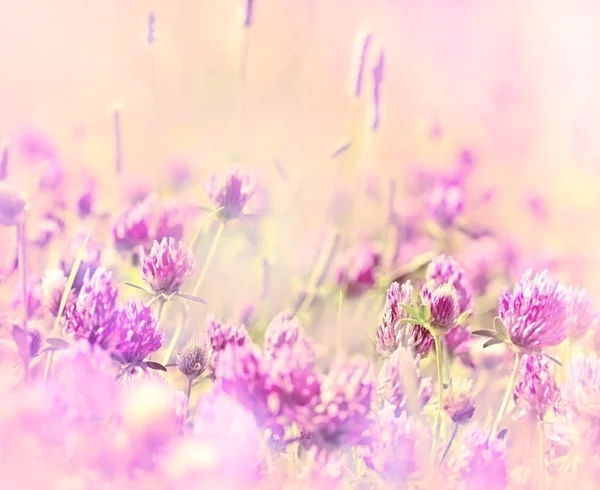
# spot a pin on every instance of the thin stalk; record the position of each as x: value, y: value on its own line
x: 208, y: 260
x: 543, y: 449
x: 240, y: 106
x: 507, y: 394
x: 175, y: 338
x: 188, y: 391
x: 339, y: 344
x: 22, y: 257
x: 118, y: 141
x: 449, y: 445
x: 440, y: 385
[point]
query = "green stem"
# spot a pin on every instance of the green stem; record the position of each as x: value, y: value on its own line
x: 508, y: 393
x: 209, y: 257
x: 543, y: 458
x: 339, y: 322
x: 175, y: 338
x: 447, y: 450
x: 440, y: 388
x: 188, y: 392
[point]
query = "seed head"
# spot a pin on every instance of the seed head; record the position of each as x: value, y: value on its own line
x: 194, y: 358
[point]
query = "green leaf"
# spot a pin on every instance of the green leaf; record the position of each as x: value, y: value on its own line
x: 491, y: 342
x: 412, y: 311
x: 500, y: 328
x: 189, y: 297
x: 409, y: 321
x: 131, y: 284
x: 424, y: 313
x: 553, y: 359
x: 156, y: 366
x: 57, y: 343
x: 463, y: 317
x: 485, y: 333
x: 71, y: 280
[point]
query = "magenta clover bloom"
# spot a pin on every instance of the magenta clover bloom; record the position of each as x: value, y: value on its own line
x: 93, y: 315
x: 536, y: 390
x: 357, y: 272
x: 167, y: 266
x: 445, y: 205
x: 460, y: 404
x: 137, y: 333
x: 535, y: 314
x: 443, y: 306
x: 230, y: 192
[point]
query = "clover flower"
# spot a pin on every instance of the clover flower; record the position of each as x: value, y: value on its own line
x: 390, y: 334
x: 445, y: 205
x: 397, y: 449
x: 93, y: 315
x: 194, y: 358
x: 357, y: 270
x: 583, y: 316
x: 342, y: 415
x: 284, y: 329
x: 446, y: 270
x: 137, y: 333
x: 460, y: 404
x: 400, y: 383
x: 231, y: 192
x: 168, y: 265
x: 220, y: 334
x: 536, y: 391
x: 535, y: 313
x: 133, y: 227
x: 480, y: 462
x: 443, y: 306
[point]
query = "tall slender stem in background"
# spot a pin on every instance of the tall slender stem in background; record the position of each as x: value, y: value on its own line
x: 507, y: 394
x: 339, y: 344
x: 197, y: 285
x: 543, y: 455
x: 240, y: 103
x: 22, y: 258
x: 308, y: 58
x: 4, y: 161
x: 440, y: 384
x: 449, y: 445
x: 118, y: 141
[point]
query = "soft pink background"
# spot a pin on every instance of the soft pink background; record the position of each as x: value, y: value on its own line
x: 514, y: 80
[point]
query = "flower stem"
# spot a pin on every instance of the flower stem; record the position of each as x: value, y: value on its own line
x: 22, y: 258
x: 543, y: 455
x: 449, y: 445
x: 175, y: 337
x: 507, y: 394
x: 339, y: 345
x: 440, y: 388
x: 209, y: 257
x: 188, y: 391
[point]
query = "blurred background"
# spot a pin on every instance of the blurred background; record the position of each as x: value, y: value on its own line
x: 509, y: 85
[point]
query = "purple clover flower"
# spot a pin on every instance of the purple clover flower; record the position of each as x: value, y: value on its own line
x: 390, y: 334
x: 284, y: 329
x: 398, y: 446
x: 231, y: 192
x: 479, y: 463
x: 137, y: 333
x: 400, y: 383
x: 133, y: 227
x: 445, y: 205
x: 581, y: 392
x: 194, y: 358
x: 242, y: 372
x: 357, y: 272
x: 342, y: 415
x: 93, y: 315
x: 446, y: 270
x: 536, y: 390
x: 167, y: 266
x: 293, y: 381
x: 443, y: 305
x: 582, y: 313
x: 535, y: 313
x: 457, y: 340
x: 220, y: 334
x: 460, y: 404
